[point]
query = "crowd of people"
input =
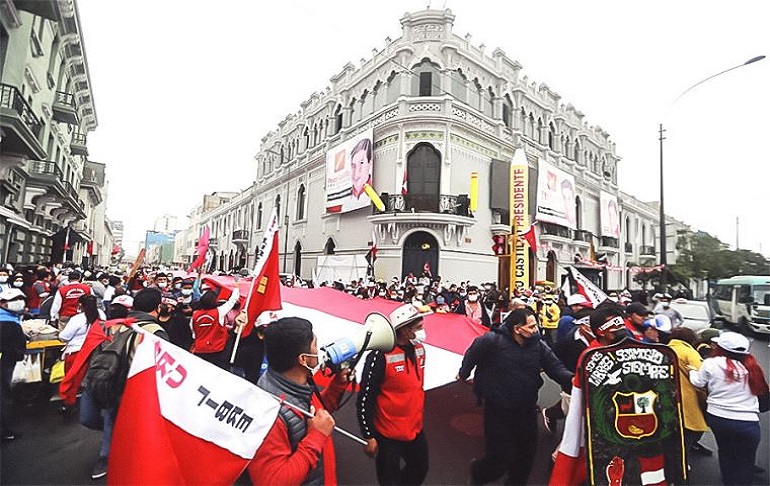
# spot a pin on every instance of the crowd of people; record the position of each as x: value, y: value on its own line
x: 538, y: 329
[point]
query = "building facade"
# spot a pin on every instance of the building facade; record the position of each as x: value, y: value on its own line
x: 439, y: 110
x: 51, y: 196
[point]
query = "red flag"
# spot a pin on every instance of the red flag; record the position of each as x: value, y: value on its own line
x: 530, y: 237
x: 265, y: 292
x: 116, y: 249
x: 201, y: 250
x: 371, y: 255
x: 183, y: 420
x: 404, y: 188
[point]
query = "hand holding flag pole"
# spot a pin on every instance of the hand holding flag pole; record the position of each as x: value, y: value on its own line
x: 310, y: 415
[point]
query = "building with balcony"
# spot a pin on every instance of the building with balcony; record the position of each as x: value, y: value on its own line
x: 46, y: 112
x: 437, y: 108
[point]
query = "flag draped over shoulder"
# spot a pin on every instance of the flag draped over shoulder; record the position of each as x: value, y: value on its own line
x: 265, y: 292
x: 183, y: 420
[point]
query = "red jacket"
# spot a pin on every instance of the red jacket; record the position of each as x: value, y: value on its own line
x: 70, y: 294
x: 401, y: 400
x: 33, y: 298
x: 210, y: 334
x: 275, y: 463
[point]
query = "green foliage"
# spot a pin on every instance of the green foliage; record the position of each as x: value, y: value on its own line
x: 704, y: 256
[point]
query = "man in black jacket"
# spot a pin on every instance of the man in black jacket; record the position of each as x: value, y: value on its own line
x: 508, y: 361
x: 13, y: 346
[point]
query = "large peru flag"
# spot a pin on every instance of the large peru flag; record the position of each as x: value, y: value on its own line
x: 183, y: 420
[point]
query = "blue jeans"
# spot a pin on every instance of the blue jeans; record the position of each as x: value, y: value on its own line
x: 737, y: 441
x: 97, y: 419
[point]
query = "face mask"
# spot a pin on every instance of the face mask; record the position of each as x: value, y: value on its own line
x: 473, y: 298
x: 4, y: 279
x: 186, y: 292
x: 419, y: 336
x: 462, y: 294
x: 162, y: 285
x: 18, y: 284
x: 187, y: 300
x: 381, y: 294
x: 440, y: 301
x: 315, y: 368
x: 178, y: 286
x: 16, y: 306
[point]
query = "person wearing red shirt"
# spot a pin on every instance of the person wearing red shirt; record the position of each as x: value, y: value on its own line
x: 391, y: 402
x: 636, y: 314
x: 208, y: 325
x: 65, y: 302
x: 297, y: 450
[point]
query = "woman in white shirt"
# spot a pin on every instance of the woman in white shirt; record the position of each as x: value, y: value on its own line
x: 74, y: 333
x: 735, y: 381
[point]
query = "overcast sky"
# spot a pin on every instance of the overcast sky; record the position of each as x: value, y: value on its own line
x: 185, y: 89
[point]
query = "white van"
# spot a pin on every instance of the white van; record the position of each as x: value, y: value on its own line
x: 744, y: 300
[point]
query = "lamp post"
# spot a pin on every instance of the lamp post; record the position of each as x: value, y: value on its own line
x: 662, y: 214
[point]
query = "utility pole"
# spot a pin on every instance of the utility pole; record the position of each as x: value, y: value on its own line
x: 662, y: 216
x: 736, y: 233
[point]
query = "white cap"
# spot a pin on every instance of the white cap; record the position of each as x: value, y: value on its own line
x: 577, y: 299
x: 11, y: 294
x: 403, y: 315
x: 661, y: 322
x: 733, y: 342
x: 124, y: 300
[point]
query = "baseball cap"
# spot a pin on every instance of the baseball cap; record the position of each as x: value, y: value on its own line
x: 577, y: 299
x: 124, y: 300
x: 733, y: 342
x: 661, y: 322
x: 11, y: 294
x: 637, y: 308
x: 404, y: 315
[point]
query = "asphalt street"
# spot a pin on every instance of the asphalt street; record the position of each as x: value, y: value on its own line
x: 56, y: 449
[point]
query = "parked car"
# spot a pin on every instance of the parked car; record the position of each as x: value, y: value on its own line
x: 697, y: 314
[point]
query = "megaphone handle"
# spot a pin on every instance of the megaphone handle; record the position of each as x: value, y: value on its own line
x: 367, y: 338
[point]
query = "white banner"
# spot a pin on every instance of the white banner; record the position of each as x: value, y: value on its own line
x: 555, y: 196
x: 610, y: 214
x: 348, y: 169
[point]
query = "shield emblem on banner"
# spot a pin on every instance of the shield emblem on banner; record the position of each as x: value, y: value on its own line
x: 635, y: 414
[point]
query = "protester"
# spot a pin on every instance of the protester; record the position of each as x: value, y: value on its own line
x: 472, y: 308
x: 508, y: 361
x: 13, y: 346
x: 65, y: 302
x: 664, y: 307
x: 38, y: 291
x: 4, y: 277
x: 74, y: 333
x: 391, y: 402
x: 209, y: 330
x: 735, y: 383
x: 297, y: 450
x: 636, y: 313
x: 549, y: 314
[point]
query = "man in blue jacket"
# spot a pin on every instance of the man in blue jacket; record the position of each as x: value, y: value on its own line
x: 508, y: 361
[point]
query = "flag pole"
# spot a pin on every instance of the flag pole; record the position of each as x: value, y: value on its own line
x: 310, y: 415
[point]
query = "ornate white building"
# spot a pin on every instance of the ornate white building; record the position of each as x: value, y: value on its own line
x: 439, y: 109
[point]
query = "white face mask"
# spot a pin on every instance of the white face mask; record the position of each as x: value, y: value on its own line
x: 473, y: 298
x: 18, y: 284
x: 177, y: 286
x: 4, y: 279
x: 16, y: 306
x: 162, y: 285
x: 186, y: 292
x: 315, y: 368
x: 419, y: 336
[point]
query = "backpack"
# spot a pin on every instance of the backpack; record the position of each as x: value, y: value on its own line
x: 108, y: 367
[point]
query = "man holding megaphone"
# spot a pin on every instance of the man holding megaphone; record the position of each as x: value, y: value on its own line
x: 391, y: 401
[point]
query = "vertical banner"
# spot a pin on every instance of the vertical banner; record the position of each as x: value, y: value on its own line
x: 519, y: 213
x: 348, y: 170
x: 555, y: 196
x: 634, y: 431
x: 610, y: 215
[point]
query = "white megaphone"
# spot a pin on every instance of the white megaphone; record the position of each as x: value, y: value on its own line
x: 377, y: 334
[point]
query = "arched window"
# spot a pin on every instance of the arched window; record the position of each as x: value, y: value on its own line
x: 551, y: 136
x: 355, y: 115
x: 578, y: 213
x: 576, y: 151
x: 458, y: 86
x: 329, y: 247
x: 259, y: 216
x: 301, y: 202
x: 628, y: 229
x: 507, y: 110
x: 338, y: 119
x: 425, y: 82
x: 394, y: 89
x: 424, y: 169
x: 487, y: 102
x: 539, y: 134
x: 306, y: 134
x: 282, y: 156
x: 278, y: 205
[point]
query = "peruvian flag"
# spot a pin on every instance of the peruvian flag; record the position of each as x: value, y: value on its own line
x: 594, y: 294
x: 265, y: 292
x: 183, y: 420
x: 371, y: 255
x: 530, y: 237
x: 404, y: 188
x: 202, y: 249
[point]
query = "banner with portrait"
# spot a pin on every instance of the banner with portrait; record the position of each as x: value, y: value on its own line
x: 610, y: 215
x: 555, y: 196
x: 348, y: 170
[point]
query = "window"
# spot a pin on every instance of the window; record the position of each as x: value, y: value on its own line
x: 329, y: 247
x: 278, y: 205
x: 578, y: 213
x: 426, y: 77
x: 426, y: 82
x: 424, y: 169
x: 394, y: 90
x: 259, y: 216
x: 507, y: 110
x: 338, y: 119
x: 301, y: 202
x: 551, y: 136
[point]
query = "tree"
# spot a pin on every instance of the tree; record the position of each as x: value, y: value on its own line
x: 704, y: 256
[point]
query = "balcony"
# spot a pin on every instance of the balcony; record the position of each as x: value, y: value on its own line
x: 583, y: 235
x: 647, y: 250
x: 240, y: 236
x: 609, y: 242
x: 44, y: 171
x: 78, y: 144
x: 554, y: 230
x: 629, y: 247
x: 64, y: 108
x: 43, y: 8
x: 21, y: 128
x: 426, y: 203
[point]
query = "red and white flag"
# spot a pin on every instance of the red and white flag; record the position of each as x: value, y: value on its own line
x: 594, y: 294
x: 202, y: 249
x: 530, y: 237
x: 404, y: 187
x: 265, y: 292
x: 183, y: 420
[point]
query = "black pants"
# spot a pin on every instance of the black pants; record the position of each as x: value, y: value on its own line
x: 511, y: 440
x: 6, y: 375
x: 415, y: 456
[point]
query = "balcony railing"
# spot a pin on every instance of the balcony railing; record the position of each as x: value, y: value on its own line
x: 647, y: 250
x: 583, y: 235
x: 64, y: 108
x: 609, y: 242
x: 44, y: 168
x: 629, y: 247
x: 555, y: 230
x: 12, y: 99
x: 240, y: 236
x: 427, y: 203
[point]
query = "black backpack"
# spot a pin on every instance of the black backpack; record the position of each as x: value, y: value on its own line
x: 108, y: 368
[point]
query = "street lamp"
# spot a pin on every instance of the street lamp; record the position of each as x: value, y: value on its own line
x: 662, y: 213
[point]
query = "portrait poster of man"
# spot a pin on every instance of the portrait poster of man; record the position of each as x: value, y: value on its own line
x: 610, y: 215
x: 348, y: 169
x: 555, y: 196
x: 634, y: 431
